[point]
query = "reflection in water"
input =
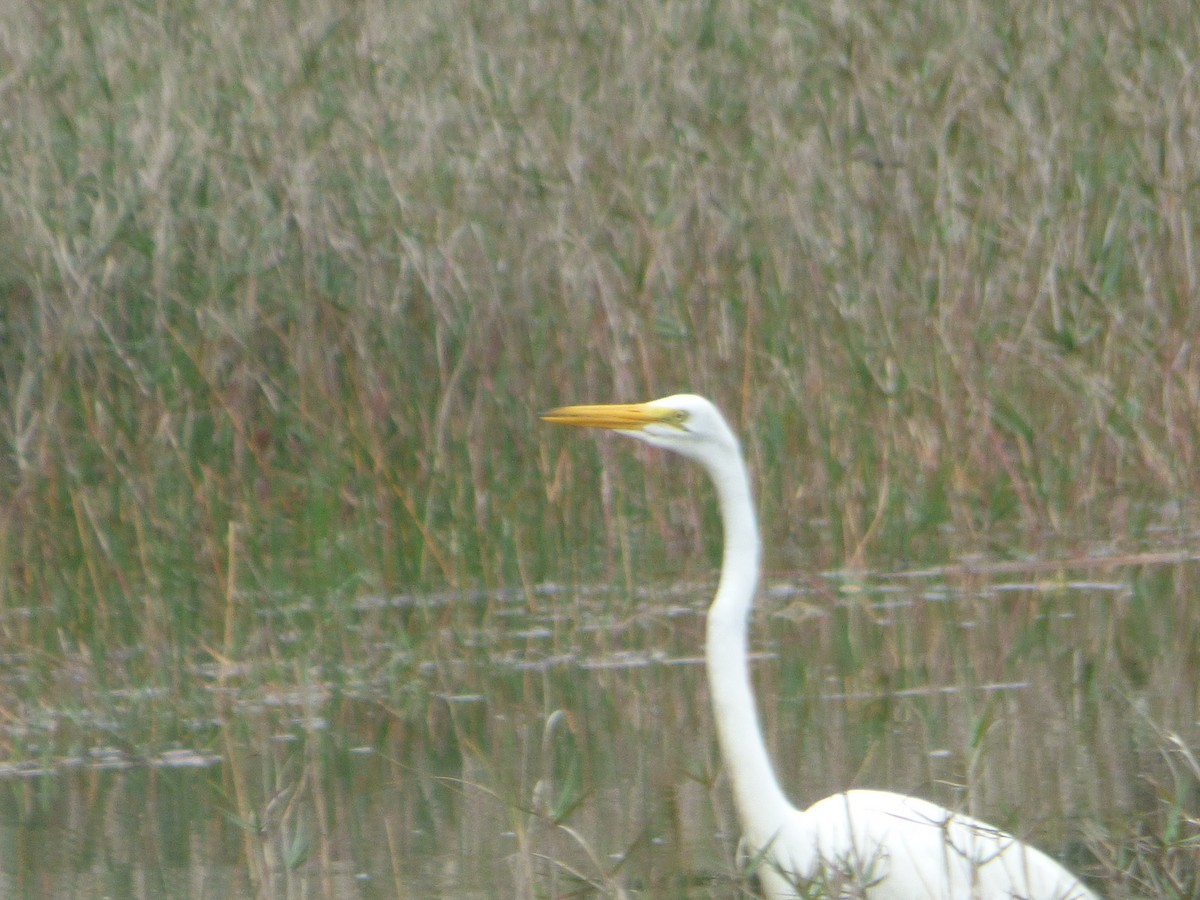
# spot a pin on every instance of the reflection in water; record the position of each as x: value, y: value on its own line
x: 540, y: 753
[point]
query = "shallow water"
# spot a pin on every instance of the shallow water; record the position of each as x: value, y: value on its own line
x: 562, y: 742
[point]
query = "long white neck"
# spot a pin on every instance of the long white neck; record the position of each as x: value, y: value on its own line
x: 761, y: 803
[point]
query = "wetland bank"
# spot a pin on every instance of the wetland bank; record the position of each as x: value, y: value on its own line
x: 298, y: 599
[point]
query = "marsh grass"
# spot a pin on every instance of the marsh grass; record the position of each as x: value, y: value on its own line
x: 282, y: 289
x: 1156, y: 856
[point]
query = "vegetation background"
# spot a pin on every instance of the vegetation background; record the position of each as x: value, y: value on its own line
x: 283, y: 287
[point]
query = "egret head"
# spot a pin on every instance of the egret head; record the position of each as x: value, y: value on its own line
x: 685, y: 423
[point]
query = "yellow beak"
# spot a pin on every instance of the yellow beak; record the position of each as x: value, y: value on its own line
x: 615, y: 416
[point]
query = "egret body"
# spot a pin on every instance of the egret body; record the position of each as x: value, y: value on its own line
x: 858, y: 843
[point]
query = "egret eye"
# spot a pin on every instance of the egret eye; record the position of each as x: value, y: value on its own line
x: 678, y: 418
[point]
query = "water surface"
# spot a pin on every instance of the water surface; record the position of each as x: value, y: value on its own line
x: 559, y: 742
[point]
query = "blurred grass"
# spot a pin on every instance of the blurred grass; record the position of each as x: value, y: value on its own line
x: 282, y: 288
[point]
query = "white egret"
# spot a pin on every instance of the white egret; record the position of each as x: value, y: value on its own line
x: 859, y: 843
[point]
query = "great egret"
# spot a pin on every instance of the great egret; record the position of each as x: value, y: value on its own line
x: 859, y: 843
